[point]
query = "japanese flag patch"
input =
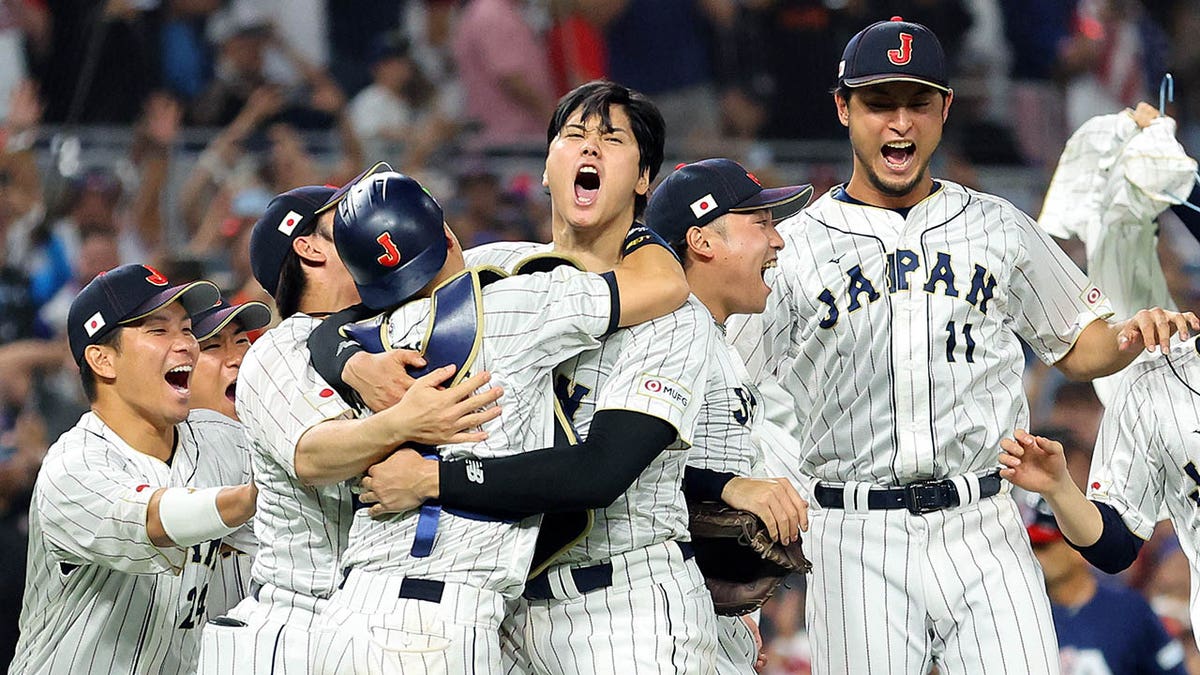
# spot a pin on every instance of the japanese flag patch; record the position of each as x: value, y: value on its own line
x: 1092, y: 296
x: 703, y: 205
x: 93, y: 324
x: 289, y: 222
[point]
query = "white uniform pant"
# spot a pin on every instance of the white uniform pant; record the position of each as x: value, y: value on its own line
x: 891, y: 591
x: 369, y: 628
x: 275, y: 637
x: 656, y: 617
x: 736, y: 649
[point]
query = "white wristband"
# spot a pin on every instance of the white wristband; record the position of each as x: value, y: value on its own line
x: 190, y: 516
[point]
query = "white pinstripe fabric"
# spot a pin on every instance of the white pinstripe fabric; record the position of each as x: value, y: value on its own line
x: 897, y: 338
x: 1147, y: 459
x: 99, y: 597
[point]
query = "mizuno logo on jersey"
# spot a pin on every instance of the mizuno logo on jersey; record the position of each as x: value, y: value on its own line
x: 343, y: 345
x: 898, y: 269
x: 662, y: 388
x: 475, y: 471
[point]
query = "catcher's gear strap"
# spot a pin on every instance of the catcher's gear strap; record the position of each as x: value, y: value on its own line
x: 590, y: 475
x: 1117, y: 547
x: 704, y: 485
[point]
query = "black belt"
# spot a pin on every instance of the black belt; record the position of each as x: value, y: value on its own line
x: 920, y: 497
x: 587, y: 579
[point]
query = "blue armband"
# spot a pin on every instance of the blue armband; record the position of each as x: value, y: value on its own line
x: 1117, y: 547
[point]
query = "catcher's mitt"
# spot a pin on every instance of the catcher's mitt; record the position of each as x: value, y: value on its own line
x: 742, y: 565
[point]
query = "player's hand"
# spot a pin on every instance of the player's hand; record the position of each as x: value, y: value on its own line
x: 1034, y: 463
x: 400, y: 483
x: 381, y: 379
x: 1152, y: 328
x: 774, y: 500
x: 760, y: 659
x: 431, y: 415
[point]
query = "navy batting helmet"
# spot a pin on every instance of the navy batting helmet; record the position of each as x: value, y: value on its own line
x: 389, y: 234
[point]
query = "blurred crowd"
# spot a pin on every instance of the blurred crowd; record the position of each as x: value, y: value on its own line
x: 217, y: 105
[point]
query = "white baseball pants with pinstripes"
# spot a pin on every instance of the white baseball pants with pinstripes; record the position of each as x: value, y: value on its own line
x: 736, y: 651
x: 369, y: 629
x: 890, y: 592
x: 275, y: 639
x: 656, y: 618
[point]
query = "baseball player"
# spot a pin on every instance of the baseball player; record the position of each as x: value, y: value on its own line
x: 626, y: 597
x: 1144, y: 465
x: 128, y: 512
x: 222, y: 331
x: 720, y: 221
x: 893, y: 323
x: 305, y: 441
x: 445, y: 603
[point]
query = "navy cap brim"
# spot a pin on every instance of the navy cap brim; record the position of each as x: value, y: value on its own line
x: 782, y: 201
x: 249, y: 316
x: 194, y: 297
x: 336, y: 197
x: 867, y: 80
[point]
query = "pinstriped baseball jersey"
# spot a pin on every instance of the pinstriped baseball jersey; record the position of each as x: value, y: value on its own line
x: 100, y: 597
x: 657, y: 368
x: 897, y: 336
x: 1147, y: 461
x: 530, y: 324
x: 301, y: 530
x: 724, y: 438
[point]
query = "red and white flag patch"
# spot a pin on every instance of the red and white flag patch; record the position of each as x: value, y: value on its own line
x: 289, y: 222
x: 703, y: 205
x: 93, y: 324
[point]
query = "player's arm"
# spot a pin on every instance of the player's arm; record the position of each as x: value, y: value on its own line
x: 1104, y: 348
x: 649, y: 280
x: 181, y: 516
x: 774, y: 500
x: 1095, y: 529
x: 589, y: 475
x: 338, y: 449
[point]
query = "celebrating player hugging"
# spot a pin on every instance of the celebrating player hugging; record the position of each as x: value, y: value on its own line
x: 601, y: 454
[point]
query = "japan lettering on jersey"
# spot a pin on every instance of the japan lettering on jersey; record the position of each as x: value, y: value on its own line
x: 897, y: 336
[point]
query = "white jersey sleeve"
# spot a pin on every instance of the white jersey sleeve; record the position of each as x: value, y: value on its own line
x: 1051, y: 299
x: 287, y: 402
x: 1127, y: 470
x: 94, y: 512
x: 661, y: 370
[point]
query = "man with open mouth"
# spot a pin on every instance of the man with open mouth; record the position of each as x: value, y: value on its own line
x: 223, y: 333
x: 893, y: 325
x: 129, y: 511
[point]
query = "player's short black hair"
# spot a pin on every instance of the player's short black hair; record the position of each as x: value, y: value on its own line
x: 292, y: 279
x: 594, y: 99
x: 87, y: 377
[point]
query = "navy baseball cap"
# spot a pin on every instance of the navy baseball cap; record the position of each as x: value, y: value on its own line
x: 127, y: 294
x: 289, y: 215
x: 894, y: 51
x: 248, y: 315
x: 696, y: 194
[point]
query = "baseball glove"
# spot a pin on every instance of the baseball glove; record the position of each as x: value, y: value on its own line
x: 742, y: 565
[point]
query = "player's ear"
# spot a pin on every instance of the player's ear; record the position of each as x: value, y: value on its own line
x: 545, y: 179
x: 100, y: 359
x: 698, y: 242
x: 643, y: 182
x: 946, y: 99
x: 843, y: 109
x: 306, y: 248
